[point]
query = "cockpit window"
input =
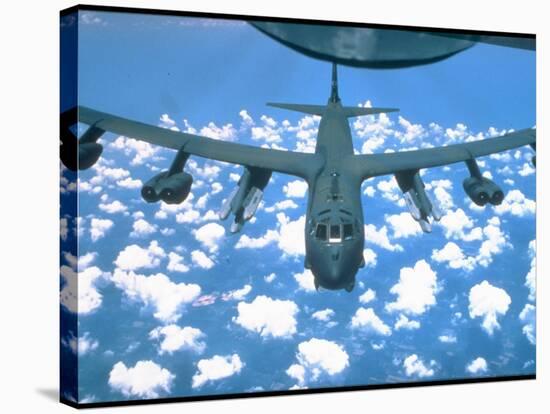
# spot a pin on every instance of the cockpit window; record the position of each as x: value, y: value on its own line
x: 348, y: 231
x: 335, y: 235
x: 321, y: 232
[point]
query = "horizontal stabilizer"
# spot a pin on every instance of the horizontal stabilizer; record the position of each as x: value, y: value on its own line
x: 349, y: 111
x: 306, y: 109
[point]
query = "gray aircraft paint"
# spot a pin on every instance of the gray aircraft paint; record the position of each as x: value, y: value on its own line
x: 334, y: 175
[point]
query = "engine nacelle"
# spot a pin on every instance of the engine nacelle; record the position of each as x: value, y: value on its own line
x: 172, y: 189
x: 88, y: 154
x: 75, y: 153
x: 149, y: 192
x: 481, y: 191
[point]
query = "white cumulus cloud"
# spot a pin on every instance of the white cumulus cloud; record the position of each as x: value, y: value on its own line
x: 477, y: 366
x: 403, y: 225
x: 323, y: 315
x: 453, y: 255
x: 113, y: 208
x: 158, y: 291
x: 415, y: 366
x: 289, y: 237
x: 368, y: 296
x: 188, y: 216
x: 368, y: 321
x: 142, y: 227
x: 527, y: 316
x: 173, y: 338
x: 493, y: 243
x: 268, y: 317
x: 270, y: 277
x: 237, y: 294
x: 82, y: 345
x: 530, y: 279
x: 305, y: 280
x: 216, y: 368
x: 457, y: 225
x: 370, y: 257
x: 298, y: 372
x: 200, y: 259
x: 145, y: 380
x: 415, y: 290
x: 135, y: 257
x: 281, y: 205
x: 129, y: 183
x: 246, y: 242
x: 380, y: 238
x: 295, y: 189
x: 516, y: 204
x: 98, y: 228
x: 316, y: 357
x: 447, y: 339
x: 175, y: 263
x: 224, y: 133
x: 80, y: 290
x: 405, y: 323
x: 209, y: 236
x: 487, y: 302
x: 142, y: 151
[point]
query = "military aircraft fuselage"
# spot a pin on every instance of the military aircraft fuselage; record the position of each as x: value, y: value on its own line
x: 334, y: 228
x: 334, y: 231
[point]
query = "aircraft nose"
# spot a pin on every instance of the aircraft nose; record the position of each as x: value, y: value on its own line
x: 335, y: 253
x: 334, y: 266
x: 333, y: 273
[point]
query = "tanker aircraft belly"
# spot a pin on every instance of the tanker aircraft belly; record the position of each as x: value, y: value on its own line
x: 334, y: 229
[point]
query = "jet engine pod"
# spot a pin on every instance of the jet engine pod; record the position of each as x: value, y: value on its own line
x: 498, y: 195
x: 88, y: 154
x: 172, y: 189
x: 149, y: 192
x: 175, y: 188
x: 482, y: 191
x: 89, y: 150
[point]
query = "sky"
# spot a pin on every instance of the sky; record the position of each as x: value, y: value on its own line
x: 170, y: 304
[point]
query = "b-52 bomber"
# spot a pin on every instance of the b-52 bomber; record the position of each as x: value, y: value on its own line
x: 334, y: 229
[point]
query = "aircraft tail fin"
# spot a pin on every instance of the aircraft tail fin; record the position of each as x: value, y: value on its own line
x: 334, y: 99
x: 349, y: 111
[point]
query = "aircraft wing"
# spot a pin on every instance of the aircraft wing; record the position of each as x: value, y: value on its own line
x: 373, y: 165
x: 303, y: 165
